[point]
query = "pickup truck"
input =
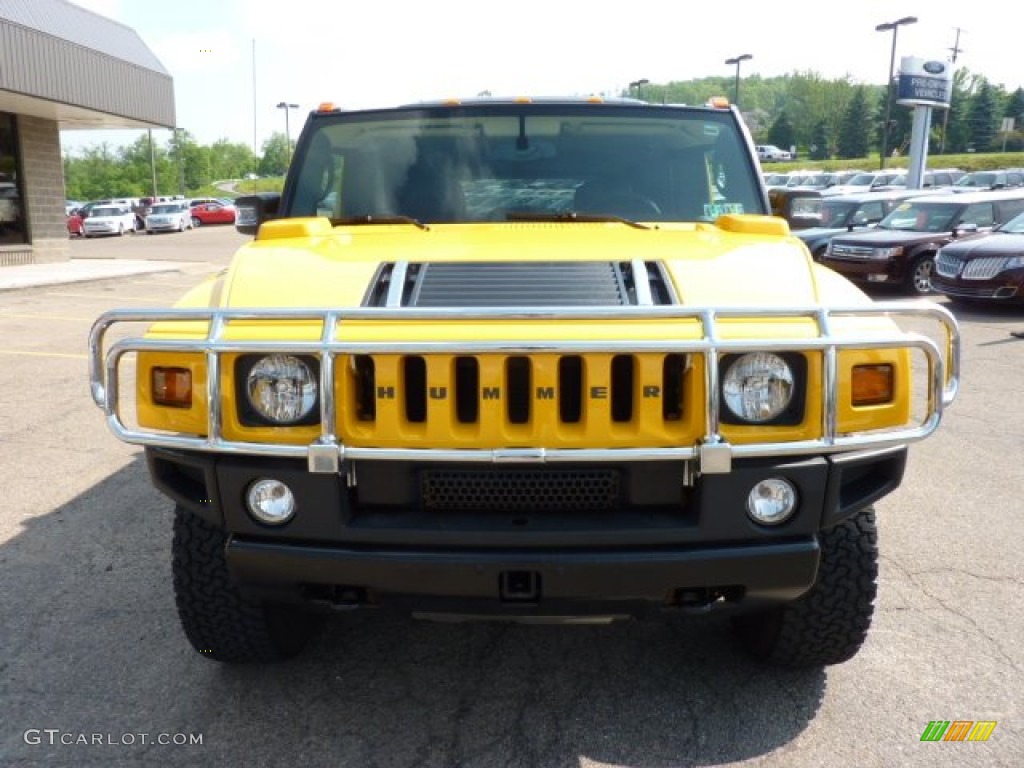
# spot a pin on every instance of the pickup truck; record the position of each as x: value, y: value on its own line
x: 530, y: 361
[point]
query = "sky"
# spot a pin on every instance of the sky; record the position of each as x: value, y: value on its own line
x: 232, y: 61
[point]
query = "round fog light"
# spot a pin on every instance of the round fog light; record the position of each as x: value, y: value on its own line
x: 270, y: 502
x: 771, y: 501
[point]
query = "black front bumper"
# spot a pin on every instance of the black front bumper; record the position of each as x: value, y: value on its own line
x: 512, y: 583
x: 660, y: 543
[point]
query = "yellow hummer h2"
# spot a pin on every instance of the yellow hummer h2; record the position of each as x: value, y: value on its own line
x: 526, y: 360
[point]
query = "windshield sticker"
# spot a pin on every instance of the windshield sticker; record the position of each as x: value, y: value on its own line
x: 714, y: 210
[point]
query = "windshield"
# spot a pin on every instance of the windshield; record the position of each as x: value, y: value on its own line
x: 96, y: 212
x: 922, y: 217
x: 862, y: 180
x: 1014, y: 226
x: 836, y: 214
x: 976, y: 180
x: 166, y: 209
x: 496, y: 162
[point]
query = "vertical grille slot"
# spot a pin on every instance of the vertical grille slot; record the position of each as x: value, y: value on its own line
x: 366, y: 386
x: 570, y: 389
x: 673, y: 369
x: 622, y: 388
x: 467, y: 389
x: 414, y: 373
x: 517, y: 375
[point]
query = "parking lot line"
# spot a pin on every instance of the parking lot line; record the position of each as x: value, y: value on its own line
x: 107, y: 298
x: 29, y: 316
x: 29, y: 353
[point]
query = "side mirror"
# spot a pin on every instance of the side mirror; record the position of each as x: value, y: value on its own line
x: 965, y: 229
x: 253, y: 210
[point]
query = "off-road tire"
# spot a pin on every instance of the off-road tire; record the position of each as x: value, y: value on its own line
x: 829, y: 623
x: 218, y: 620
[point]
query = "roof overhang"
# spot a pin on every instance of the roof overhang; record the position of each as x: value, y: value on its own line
x: 61, y: 62
x: 69, y: 116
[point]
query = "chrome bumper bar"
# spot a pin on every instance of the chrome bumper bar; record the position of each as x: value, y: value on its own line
x: 712, y: 453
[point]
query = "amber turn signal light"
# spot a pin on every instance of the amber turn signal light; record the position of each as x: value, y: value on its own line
x: 873, y: 384
x: 172, y: 387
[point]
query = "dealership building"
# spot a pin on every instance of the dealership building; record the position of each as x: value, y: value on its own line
x: 63, y: 67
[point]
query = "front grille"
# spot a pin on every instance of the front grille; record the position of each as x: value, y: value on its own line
x: 513, y: 490
x: 844, y: 251
x: 502, y: 390
x: 948, y: 265
x: 966, y: 291
x: 984, y: 269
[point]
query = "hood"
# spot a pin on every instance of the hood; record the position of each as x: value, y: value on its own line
x: 883, y: 238
x: 992, y: 244
x: 292, y: 264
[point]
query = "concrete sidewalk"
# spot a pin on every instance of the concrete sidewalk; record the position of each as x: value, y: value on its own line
x: 79, y: 271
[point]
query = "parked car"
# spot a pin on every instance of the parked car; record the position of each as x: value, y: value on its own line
x: 799, y: 206
x: 984, y: 268
x: 771, y: 153
x: 901, y: 249
x: 776, y: 180
x: 989, y: 180
x: 75, y: 226
x: 869, y: 181
x: 207, y: 200
x: 213, y: 213
x: 10, y: 205
x: 845, y: 213
x: 934, y: 179
x: 109, y: 220
x: 168, y: 217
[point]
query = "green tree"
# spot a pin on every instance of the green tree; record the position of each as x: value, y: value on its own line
x: 854, y: 131
x: 781, y: 133
x: 274, y: 161
x: 821, y: 148
x: 981, y: 117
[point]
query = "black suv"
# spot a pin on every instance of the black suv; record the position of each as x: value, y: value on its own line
x: 901, y: 249
x: 844, y: 213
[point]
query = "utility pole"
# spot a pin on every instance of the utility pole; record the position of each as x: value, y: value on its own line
x: 956, y: 50
x: 152, y: 163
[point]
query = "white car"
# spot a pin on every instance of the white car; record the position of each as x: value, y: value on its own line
x: 168, y: 217
x: 769, y: 153
x: 108, y: 220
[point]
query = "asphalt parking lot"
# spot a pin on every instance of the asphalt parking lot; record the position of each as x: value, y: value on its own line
x: 95, y: 671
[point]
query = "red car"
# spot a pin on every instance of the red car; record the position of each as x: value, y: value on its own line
x: 75, y: 224
x: 212, y: 213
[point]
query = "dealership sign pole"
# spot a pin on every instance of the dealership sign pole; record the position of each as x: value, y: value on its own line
x: 924, y: 84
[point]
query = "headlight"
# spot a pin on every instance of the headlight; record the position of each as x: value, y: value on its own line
x: 887, y: 253
x: 758, y: 386
x: 1014, y: 262
x: 281, y: 388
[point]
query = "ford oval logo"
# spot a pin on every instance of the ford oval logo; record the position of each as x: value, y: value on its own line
x: 934, y: 67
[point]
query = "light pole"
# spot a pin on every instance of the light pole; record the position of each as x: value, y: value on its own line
x: 638, y: 84
x: 736, y: 61
x: 287, y: 132
x: 893, y: 25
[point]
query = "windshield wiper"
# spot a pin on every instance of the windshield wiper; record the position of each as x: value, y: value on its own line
x: 371, y: 219
x: 586, y: 218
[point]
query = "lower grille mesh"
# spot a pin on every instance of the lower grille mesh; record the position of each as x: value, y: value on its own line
x: 520, y: 490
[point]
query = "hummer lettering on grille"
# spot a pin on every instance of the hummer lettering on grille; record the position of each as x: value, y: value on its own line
x: 650, y: 392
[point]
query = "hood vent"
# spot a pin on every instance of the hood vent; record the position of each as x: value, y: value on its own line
x: 520, y: 284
